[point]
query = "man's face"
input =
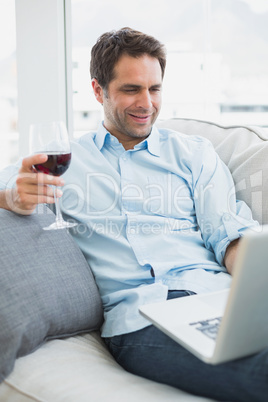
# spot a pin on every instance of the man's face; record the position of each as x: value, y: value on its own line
x: 133, y: 100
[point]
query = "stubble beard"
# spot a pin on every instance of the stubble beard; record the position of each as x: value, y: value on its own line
x: 136, y: 130
x: 121, y: 124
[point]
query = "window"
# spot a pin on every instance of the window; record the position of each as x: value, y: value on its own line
x: 217, y: 63
x: 8, y: 85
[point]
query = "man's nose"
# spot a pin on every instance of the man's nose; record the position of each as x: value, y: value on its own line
x: 144, y: 100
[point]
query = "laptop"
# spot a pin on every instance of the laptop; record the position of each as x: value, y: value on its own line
x: 227, y: 324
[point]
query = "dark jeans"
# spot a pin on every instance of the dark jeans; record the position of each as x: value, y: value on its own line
x: 152, y: 354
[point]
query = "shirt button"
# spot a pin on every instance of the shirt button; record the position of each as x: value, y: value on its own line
x: 226, y: 217
x: 132, y: 231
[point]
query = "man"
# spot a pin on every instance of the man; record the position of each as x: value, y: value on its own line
x: 157, y: 218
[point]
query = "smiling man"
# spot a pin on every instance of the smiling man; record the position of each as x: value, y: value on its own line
x: 133, y: 100
x: 157, y: 218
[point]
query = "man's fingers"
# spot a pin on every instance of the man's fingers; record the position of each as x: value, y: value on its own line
x: 29, y: 161
x: 29, y: 174
x: 31, y: 200
x: 25, y: 178
x: 25, y: 203
x: 27, y: 197
x: 33, y: 189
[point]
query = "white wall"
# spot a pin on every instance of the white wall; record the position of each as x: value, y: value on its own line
x: 42, y: 58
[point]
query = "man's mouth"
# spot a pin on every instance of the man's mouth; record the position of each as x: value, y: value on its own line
x: 140, y: 118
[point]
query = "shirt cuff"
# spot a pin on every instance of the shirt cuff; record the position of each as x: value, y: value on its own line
x: 232, y: 228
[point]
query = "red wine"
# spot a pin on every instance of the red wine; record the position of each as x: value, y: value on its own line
x: 55, y: 165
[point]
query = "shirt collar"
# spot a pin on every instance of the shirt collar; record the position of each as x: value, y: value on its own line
x: 152, y: 142
x: 100, y: 136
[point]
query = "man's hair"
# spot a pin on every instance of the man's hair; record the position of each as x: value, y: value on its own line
x: 112, y: 45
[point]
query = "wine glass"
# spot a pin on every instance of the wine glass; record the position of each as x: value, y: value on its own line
x: 52, y: 139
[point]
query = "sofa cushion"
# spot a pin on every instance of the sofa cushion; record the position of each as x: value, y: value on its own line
x: 81, y: 369
x: 244, y: 150
x: 47, y: 289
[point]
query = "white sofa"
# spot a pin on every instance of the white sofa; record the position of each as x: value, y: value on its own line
x: 79, y: 368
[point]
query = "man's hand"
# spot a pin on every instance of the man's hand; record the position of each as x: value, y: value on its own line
x: 31, y: 188
x: 230, y: 255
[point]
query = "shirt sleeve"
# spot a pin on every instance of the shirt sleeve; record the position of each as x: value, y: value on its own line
x: 220, y: 216
x: 8, y: 176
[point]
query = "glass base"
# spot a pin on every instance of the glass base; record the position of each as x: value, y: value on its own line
x: 60, y: 225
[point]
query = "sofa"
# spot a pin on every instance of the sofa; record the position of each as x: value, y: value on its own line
x: 50, y: 315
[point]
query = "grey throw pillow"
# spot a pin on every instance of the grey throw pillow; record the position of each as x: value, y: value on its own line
x: 47, y: 289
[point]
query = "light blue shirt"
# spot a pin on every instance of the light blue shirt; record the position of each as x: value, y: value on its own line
x: 153, y: 218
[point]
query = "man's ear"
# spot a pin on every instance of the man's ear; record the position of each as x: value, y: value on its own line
x: 97, y: 89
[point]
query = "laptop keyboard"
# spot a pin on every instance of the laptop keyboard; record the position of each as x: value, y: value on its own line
x: 208, y: 327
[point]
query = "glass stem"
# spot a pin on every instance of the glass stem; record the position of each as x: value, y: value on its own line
x: 57, y: 205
